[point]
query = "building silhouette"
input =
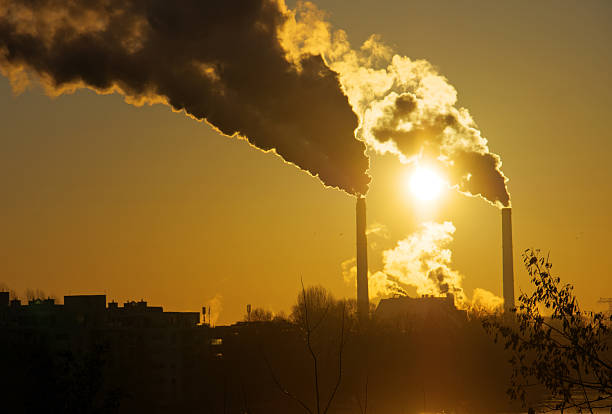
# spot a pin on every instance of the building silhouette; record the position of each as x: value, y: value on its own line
x: 145, y: 350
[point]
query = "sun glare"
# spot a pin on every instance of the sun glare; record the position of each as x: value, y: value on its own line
x: 425, y: 184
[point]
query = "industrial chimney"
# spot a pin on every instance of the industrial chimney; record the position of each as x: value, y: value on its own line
x: 508, y: 276
x: 363, y: 301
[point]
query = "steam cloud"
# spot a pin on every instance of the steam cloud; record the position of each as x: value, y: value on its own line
x: 405, y: 107
x: 422, y: 261
x: 221, y: 61
x: 215, y: 307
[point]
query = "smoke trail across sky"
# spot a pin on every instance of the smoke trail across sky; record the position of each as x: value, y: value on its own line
x: 219, y: 61
x: 277, y: 77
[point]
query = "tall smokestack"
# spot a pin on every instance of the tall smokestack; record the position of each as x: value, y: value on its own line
x: 507, y: 258
x: 363, y: 301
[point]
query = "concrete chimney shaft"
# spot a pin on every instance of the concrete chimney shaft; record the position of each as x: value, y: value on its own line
x: 363, y: 301
x: 508, y: 276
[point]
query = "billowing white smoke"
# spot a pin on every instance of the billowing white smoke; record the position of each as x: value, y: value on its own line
x: 422, y: 261
x: 485, y: 300
x: 405, y: 106
x: 215, y: 306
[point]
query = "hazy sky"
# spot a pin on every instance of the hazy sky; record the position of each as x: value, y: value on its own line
x: 139, y: 202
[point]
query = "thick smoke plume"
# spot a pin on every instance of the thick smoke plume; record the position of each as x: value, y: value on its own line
x: 218, y: 60
x: 422, y: 261
x: 405, y: 106
x: 257, y: 70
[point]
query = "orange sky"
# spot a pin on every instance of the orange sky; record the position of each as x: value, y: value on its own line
x: 103, y: 197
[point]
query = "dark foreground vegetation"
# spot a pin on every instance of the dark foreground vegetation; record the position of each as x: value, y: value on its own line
x: 561, y: 361
x: 320, y: 359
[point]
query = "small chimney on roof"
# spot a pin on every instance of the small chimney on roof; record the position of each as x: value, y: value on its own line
x: 363, y: 301
x: 508, y: 266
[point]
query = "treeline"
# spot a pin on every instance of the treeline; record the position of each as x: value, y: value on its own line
x: 320, y: 359
x: 28, y: 294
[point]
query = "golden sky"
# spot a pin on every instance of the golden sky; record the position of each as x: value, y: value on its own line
x: 99, y: 196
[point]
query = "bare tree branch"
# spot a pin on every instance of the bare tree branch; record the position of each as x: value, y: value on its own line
x: 283, y: 389
x: 341, y: 348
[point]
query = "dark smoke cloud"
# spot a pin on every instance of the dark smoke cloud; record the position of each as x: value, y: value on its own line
x: 218, y: 60
x: 479, y: 174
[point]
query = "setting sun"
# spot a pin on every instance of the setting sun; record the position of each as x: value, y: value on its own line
x: 425, y: 184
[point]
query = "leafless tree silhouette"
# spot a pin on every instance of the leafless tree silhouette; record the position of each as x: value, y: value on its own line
x: 312, y: 309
